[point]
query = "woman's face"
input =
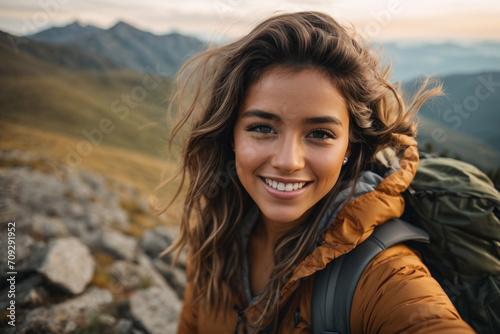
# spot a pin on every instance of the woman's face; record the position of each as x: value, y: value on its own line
x: 290, y: 140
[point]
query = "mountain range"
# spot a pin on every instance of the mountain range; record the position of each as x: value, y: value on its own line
x: 72, y: 76
x: 412, y: 60
x: 60, y: 35
x: 137, y: 49
x: 126, y: 45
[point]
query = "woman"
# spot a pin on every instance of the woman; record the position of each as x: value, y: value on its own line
x: 283, y: 122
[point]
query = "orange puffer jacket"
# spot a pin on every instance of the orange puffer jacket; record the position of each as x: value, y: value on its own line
x: 396, y: 293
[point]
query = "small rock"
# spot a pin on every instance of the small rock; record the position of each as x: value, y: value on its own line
x: 29, y: 254
x: 123, y: 326
x: 76, y: 210
x: 119, y: 244
x: 24, y: 246
x: 68, y: 264
x: 126, y: 276
x: 77, y: 228
x: 77, y: 188
x: 28, y: 292
x: 156, y: 278
x: 155, y: 241
x: 68, y: 315
x: 175, y: 276
x: 138, y: 331
x: 106, y: 319
x: 49, y: 227
x: 90, y: 238
x: 156, y: 309
x: 10, y: 179
x: 96, y: 183
x: 100, y: 215
x: 10, y: 210
x: 42, y: 193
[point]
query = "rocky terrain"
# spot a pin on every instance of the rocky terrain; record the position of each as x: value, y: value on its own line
x: 82, y: 263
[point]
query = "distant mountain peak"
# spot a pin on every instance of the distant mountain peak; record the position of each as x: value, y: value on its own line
x: 59, y: 35
x: 80, y: 24
x: 123, y: 25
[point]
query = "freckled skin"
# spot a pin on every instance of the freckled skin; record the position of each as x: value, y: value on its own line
x: 288, y: 143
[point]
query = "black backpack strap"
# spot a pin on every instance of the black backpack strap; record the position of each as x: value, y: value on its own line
x: 334, y: 286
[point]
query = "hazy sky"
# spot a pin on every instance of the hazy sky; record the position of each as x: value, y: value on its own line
x: 377, y: 19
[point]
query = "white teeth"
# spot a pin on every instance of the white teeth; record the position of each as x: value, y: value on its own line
x: 284, y: 186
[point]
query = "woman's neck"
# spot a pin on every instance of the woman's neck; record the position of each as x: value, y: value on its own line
x: 261, y: 249
x: 270, y: 231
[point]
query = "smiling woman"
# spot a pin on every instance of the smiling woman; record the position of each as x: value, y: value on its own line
x: 298, y: 147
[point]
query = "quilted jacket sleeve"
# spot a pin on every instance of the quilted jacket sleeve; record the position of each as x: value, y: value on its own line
x: 397, y: 294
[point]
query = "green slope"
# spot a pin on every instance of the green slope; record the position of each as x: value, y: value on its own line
x: 116, y: 103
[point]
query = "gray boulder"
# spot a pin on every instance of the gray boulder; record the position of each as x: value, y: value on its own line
x: 49, y: 227
x: 123, y: 326
x: 156, y: 309
x: 29, y: 254
x: 68, y: 264
x: 28, y: 292
x: 126, y: 277
x: 118, y: 244
x: 155, y: 241
x: 69, y: 315
x: 175, y: 276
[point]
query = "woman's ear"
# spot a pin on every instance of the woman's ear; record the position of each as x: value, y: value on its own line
x: 347, y: 155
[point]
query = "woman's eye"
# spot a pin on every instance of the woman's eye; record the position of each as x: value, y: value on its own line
x: 321, y: 134
x: 261, y: 128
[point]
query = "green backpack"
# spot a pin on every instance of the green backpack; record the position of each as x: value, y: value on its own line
x: 459, y: 207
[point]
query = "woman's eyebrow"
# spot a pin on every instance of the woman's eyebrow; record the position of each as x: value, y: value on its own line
x: 322, y: 120
x: 273, y: 117
x: 261, y: 114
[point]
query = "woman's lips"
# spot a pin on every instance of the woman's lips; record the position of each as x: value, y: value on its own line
x: 282, y: 189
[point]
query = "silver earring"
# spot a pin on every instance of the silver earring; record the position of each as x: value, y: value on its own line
x: 345, y: 160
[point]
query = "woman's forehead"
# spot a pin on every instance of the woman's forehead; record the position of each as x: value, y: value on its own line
x: 306, y: 94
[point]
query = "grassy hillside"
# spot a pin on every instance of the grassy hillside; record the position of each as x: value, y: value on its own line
x: 74, y: 102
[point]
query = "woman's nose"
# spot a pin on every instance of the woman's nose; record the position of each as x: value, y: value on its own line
x: 288, y: 155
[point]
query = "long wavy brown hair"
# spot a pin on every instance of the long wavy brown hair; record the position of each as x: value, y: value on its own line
x: 210, y: 88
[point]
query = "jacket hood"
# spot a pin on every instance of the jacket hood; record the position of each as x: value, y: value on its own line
x: 376, y: 199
